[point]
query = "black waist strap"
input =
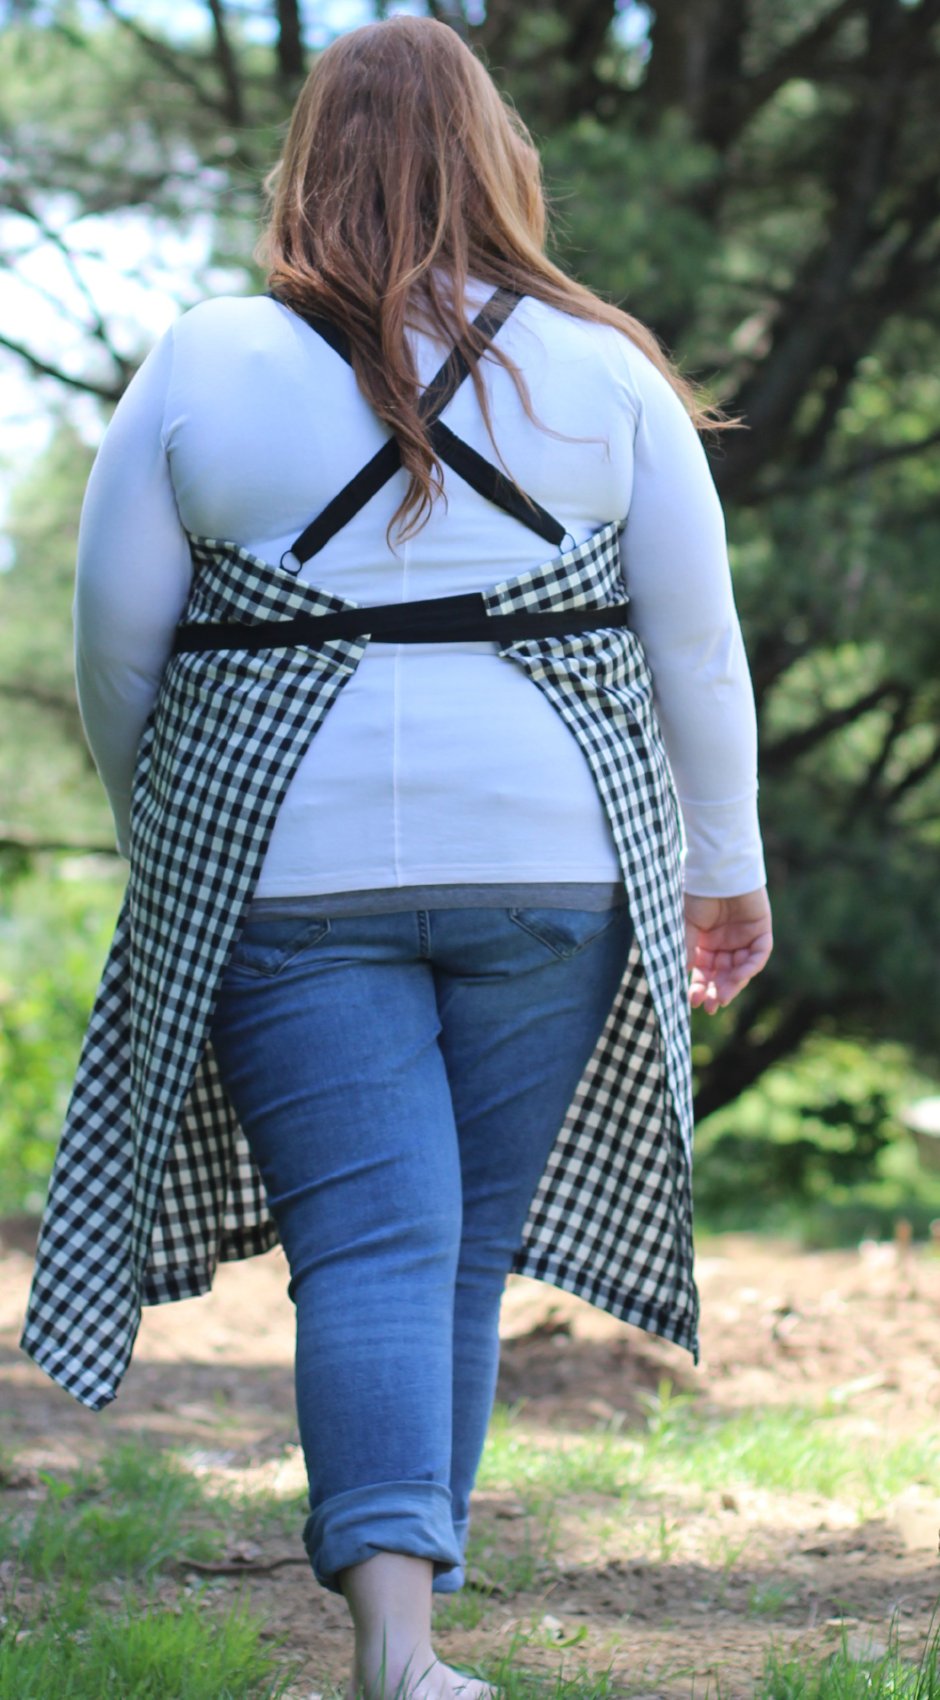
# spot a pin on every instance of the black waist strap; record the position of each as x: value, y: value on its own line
x: 443, y: 619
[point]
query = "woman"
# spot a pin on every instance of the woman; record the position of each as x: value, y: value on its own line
x: 368, y: 637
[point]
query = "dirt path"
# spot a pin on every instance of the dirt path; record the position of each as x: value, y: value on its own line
x: 716, y: 1584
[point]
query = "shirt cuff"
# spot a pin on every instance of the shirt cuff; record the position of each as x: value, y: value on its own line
x: 724, y: 856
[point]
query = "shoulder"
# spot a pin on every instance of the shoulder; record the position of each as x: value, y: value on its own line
x: 598, y: 349
x: 231, y: 309
x: 239, y: 323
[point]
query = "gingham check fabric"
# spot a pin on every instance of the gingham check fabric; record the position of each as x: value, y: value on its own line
x: 153, y: 1183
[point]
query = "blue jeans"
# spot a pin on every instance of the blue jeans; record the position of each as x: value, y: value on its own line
x: 401, y: 1080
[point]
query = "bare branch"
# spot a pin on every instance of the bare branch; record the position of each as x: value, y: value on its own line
x: 19, y: 690
x: 864, y: 794
x: 164, y: 56
x: 43, y: 369
x: 228, y: 67
x: 97, y: 327
x: 824, y: 477
x: 914, y: 776
x: 12, y: 838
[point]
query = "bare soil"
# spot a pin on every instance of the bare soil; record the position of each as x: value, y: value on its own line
x: 686, y: 1607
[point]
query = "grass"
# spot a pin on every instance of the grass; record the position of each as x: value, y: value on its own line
x: 495, y: 1572
x: 514, y: 1681
x: 80, y: 1651
x: 128, y: 1519
x: 848, y: 1674
x: 768, y: 1599
x: 788, y: 1448
x: 844, y: 1674
x: 128, y: 1516
x: 101, y: 1540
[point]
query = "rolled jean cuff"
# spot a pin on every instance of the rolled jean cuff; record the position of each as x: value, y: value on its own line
x: 451, y: 1581
x: 407, y: 1517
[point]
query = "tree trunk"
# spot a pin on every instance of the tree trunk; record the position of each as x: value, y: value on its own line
x: 289, y: 45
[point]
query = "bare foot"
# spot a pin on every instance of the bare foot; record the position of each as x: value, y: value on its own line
x: 422, y: 1677
x: 468, y: 1687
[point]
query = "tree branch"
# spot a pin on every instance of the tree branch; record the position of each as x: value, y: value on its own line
x: 914, y: 776
x: 821, y: 298
x: 864, y: 793
x: 771, y: 655
x: 20, y: 690
x: 44, y: 369
x: 586, y: 37
x: 824, y: 477
x: 801, y: 58
x: 165, y: 57
x: 739, y: 1062
x: 11, y: 838
x: 233, y: 105
x: 496, y: 30
x: 452, y: 12
x: 797, y: 744
x: 97, y: 328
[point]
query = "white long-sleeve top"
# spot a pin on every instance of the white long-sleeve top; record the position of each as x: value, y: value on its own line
x: 438, y: 763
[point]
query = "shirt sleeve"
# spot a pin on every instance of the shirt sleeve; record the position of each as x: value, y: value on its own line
x: 675, y: 562
x: 132, y: 582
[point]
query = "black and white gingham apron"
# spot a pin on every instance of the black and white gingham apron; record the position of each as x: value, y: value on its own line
x: 153, y: 1183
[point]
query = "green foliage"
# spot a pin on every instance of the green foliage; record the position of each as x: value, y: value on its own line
x: 182, y: 1652
x: 129, y: 1516
x: 818, y: 1148
x: 506, y: 1672
x: 625, y: 216
x: 47, y: 777
x: 169, y: 149
x: 54, y: 933
x: 786, y: 1448
x: 851, y: 1674
x: 100, y: 1540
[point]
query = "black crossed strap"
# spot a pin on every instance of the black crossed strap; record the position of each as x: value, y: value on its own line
x: 487, y: 480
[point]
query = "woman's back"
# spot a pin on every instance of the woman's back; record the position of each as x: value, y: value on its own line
x: 264, y: 423
x: 244, y: 423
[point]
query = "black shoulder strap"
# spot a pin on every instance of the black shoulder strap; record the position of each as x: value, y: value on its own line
x: 487, y: 480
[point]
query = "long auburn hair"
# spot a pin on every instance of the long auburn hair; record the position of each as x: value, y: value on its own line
x: 404, y: 172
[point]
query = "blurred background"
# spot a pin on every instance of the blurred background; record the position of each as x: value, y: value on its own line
x: 760, y: 182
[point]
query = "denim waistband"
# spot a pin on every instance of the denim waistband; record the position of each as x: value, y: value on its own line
x: 389, y: 900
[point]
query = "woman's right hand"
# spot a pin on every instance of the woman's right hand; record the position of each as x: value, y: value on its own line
x: 729, y: 940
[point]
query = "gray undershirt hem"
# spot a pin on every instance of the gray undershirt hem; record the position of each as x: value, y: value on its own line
x: 390, y: 900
